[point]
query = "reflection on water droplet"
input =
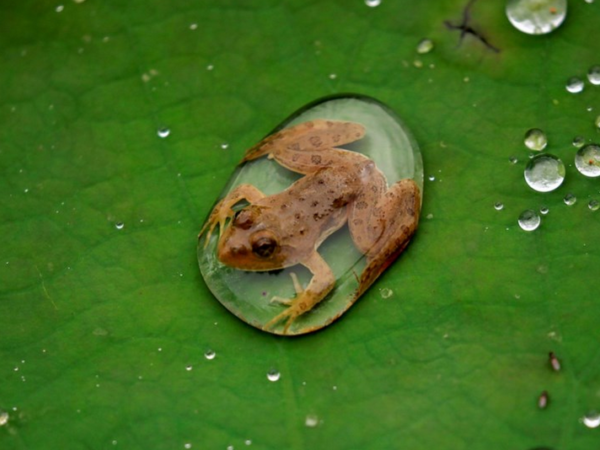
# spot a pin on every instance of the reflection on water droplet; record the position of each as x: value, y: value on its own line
x: 372, y: 3
x: 513, y: 160
x: 543, y: 400
x: 189, y: 368
x: 544, y: 210
x: 224, y: 145
x: 594, y: 75
x: 529, y: 220
x: 163, y: 132
x: 575, y: 85
x: 591, y: 419
x: 587, y: 160
x: 431, y: 178
x: 311, y: 421
x: 425, y: 46
x: 119, y: 225
x: 209, y: 354
x: 578, y: 141
x: 3, y: 418
x: 570, y: 199
x: 536, y: 16
x: 273, y: 375
x: 498, y: 206
x: 594, y: 205
x: 386, y: 293
x: 535, y: 139
x: 544, y: 173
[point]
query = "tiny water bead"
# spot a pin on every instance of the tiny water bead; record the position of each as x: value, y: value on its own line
x: 119, y: 225
x: 386, y: 293
x: 163, y: 132
x: 578, y: 141
x: 372, y: 3
x: 570, y: 199
x: 425, y: 46
x: 273, y: 375
x: 529, y: 220
x: 3, y: 418
x: 591, y: 419
x: 535, y: 139
x: 544, y: 173
x: 544, y: 210
x: 594, y: 205
x: 498, y: 206
x: 574, y: 85
x: 311, y: 421
x: 594, y: 75
x: 210, y: 354
x: 513, y: 160
x: 536, y: 16
x: 587, y: 160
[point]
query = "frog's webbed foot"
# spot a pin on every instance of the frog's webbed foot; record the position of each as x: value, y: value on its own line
x: 320, y: 285
x: 223, y: 210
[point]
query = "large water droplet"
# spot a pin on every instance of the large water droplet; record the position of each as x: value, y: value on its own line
x: 163, y: 132
x: 574, y: 85
x: 544, y: 173
x: 372, y: 3
x: 535, y: 139
x: 570, y: 199
x: 578, y: 141
x: 536, y: 16
x: 273, y: 375
x: 594, y: 75
x: 210, y: 354
x: 594, y: 205
x: 3, y: 418
x: 425, y: 46
x: 591, y: 419
x: 529, y: 220
x: 587, y: 160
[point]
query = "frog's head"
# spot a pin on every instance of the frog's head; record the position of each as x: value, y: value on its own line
x: 252, y: 241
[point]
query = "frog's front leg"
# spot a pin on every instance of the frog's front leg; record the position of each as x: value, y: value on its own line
x: 320, y: 285
x: 382, y: 222
x: 223, y: 210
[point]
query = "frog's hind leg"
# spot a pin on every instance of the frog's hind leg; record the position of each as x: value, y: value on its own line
x: 383, y: 232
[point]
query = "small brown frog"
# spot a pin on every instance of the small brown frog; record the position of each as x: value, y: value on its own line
x: 285, y: 229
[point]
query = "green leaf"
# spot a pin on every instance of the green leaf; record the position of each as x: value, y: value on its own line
x: 99, y: 326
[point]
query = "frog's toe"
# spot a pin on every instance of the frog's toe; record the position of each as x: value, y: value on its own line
x: 290, y: 314
x: 281, y: 301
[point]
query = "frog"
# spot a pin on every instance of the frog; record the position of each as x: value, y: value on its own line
x: 339, y: 187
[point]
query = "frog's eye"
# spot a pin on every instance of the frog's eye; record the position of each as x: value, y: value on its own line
x: 263, y: 244
x: 243, y: 219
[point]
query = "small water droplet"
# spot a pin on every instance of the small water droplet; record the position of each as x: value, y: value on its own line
x: 193, y: 26
x: 597, y: 122
x: 60, y: 8
x: 372, y: 3
x: 529, y: 220
x: 498, y: 206
x: 230, y: 447
x: 578, y: 141
x: 587, y: 160
x: 3, y: 418
x: 536, y: 16
x: 210, y: 67
x: 570, y: 199
x: 594, y: 205
x: 425, y: 46
x: 386, y: 292
x: 544, y: 173
x: 544, y: 210
x: 591, y: 419
x: 431, y: 178
x: 332, y: 76
x: 210, y: 354
x: 114, y: 442
x: 248, y: 442
x: 163, y: 132
x: 574, y: 85
x: 224, y: 145
x: 513, y: 160
x: 187, y: 445
x: 189, y: 368
x: 119, y: 225
x: 273, y: 375
x: 543, y: 400
x: 311, y: 421
x: 554, y: 362
x: 594, y: 75
x: 535, y: 139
